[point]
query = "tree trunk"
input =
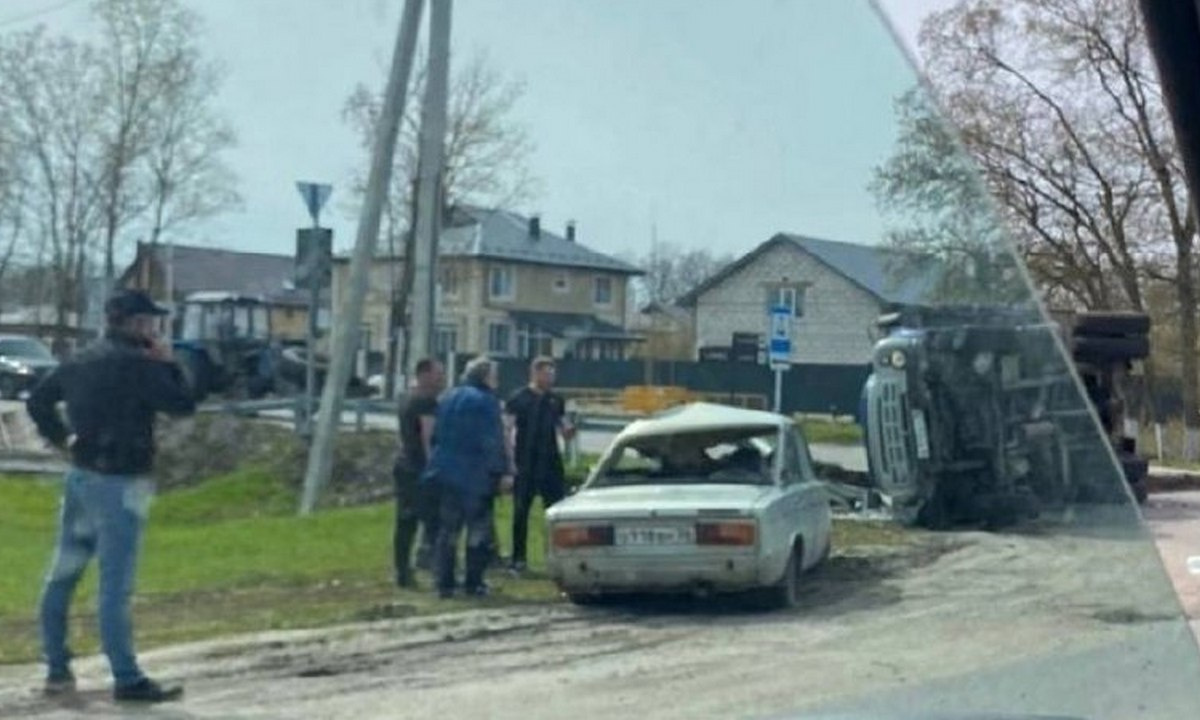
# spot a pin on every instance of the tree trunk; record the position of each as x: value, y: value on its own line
x: 1186, y: 290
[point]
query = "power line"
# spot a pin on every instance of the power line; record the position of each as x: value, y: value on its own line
x: 16, y: 19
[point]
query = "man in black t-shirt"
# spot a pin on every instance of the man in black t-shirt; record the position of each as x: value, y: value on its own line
x: 415, y: 501
x: 535, y: 416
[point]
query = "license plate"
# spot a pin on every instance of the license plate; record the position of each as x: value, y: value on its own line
x: 655, y: 535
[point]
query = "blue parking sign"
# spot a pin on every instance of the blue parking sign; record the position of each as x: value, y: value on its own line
x: 779, y: 344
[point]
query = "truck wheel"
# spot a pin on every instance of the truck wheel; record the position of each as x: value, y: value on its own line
x: 1110, y: 349
x: 1111, y: 324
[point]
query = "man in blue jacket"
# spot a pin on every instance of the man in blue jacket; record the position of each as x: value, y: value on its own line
x: 112, y: 392
x: 468, y: 462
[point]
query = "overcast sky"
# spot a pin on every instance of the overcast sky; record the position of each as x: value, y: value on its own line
x: 719, y: 123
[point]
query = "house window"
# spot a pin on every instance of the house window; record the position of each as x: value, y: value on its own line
x: 532, y: 341
x: 561, y: 285
x: 449, y: 282
x: 789, y: 296
x: 602, y: 291
x: 499, y: 339
x: 446, y: 340
x: 500, y: 283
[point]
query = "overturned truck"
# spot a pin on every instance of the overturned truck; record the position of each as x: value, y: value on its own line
x: 973, y: 416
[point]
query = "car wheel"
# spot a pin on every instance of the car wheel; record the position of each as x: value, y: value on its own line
x: 786, y: 593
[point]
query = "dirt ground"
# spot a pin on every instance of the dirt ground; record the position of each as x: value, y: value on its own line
x: 947, y: 608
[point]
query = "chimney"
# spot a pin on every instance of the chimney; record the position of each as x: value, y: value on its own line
x: 570, y: 231
x: 535, y: 227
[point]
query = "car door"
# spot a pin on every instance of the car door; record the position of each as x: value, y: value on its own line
x: 812, y: 502
x: 792, y: 481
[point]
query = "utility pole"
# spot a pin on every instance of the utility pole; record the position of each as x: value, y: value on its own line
x: 429, y: 183
x: 349, y: 317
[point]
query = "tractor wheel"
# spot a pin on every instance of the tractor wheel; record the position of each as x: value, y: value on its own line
x: 196, y: 372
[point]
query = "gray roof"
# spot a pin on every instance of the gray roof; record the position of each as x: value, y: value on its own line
x: 504, y: 235
x: 871, y: 267
x: 247, y: 273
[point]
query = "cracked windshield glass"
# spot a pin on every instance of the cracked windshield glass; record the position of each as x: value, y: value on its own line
x: 419, y: 358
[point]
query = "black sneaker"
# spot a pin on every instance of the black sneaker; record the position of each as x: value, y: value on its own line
x: 148, y: 691
x: 517, y: 568
x: 480, y: 590
x: 57, y: 685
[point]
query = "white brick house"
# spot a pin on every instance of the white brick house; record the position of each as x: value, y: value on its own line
x: 837, y: 291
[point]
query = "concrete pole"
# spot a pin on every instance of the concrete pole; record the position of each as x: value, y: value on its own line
x: 429, y: 181
x: 346, y: 322
x: 314, y: 312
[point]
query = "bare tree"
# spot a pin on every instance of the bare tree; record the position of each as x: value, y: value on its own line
x: 137, y: 37
x: 108, y: 139
x: 672, y: 272
x: 184, y: 166
x: 487, y: 151
x: 48, y: 93
x: 1058, y: 103
x: 944, y: 224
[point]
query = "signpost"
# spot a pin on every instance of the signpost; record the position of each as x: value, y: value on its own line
x: 314, y: 248
x: 779, y: 347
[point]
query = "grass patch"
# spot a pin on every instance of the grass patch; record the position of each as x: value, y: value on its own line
x: 831, y: 432
x: 229, y: 556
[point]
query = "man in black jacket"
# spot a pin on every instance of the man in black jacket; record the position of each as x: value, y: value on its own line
x: 112, y: 391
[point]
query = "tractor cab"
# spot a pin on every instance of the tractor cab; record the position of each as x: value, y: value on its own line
x: 224, y: 343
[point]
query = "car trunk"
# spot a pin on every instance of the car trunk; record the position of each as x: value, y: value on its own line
x: 662, y: 501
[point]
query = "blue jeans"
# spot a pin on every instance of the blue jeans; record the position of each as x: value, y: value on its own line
x: 101, y: 515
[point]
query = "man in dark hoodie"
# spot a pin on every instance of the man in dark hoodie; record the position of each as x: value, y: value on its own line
x: 112, y: 392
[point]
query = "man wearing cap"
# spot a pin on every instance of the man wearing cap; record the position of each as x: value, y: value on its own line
x: 112, y: 391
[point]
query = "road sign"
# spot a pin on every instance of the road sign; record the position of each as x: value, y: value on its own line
x: 314, y: 195
x: 779, y: 344
x: 314, y: 253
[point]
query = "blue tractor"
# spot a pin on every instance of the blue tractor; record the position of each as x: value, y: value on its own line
x: 224, y: 344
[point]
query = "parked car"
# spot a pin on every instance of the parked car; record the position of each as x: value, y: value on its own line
x: 24, y: 361
x: 702, y: 498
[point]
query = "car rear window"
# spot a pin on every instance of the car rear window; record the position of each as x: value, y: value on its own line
x: 729, y: 456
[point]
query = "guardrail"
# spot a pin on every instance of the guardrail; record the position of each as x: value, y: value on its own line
x: 361, y: 407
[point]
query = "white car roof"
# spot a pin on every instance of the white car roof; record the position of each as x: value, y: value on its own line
x: 698, y: 417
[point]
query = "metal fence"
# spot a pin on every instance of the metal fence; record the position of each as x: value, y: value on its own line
x: 833, y: 389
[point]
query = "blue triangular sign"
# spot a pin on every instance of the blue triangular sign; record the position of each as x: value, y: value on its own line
x: 314, y: 195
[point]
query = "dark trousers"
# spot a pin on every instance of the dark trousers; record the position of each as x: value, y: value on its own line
x: 416, y: 505
x: 460, y: 511
x: 550, y: 486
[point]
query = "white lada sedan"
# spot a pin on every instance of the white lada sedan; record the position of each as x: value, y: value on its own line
x: 703, y: 498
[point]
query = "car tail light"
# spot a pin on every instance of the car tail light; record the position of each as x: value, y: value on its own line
x: 573, y: 536
x: 741, y: 532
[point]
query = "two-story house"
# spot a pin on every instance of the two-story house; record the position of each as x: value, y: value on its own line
x: 836, y: 292
x: 509, y: 287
